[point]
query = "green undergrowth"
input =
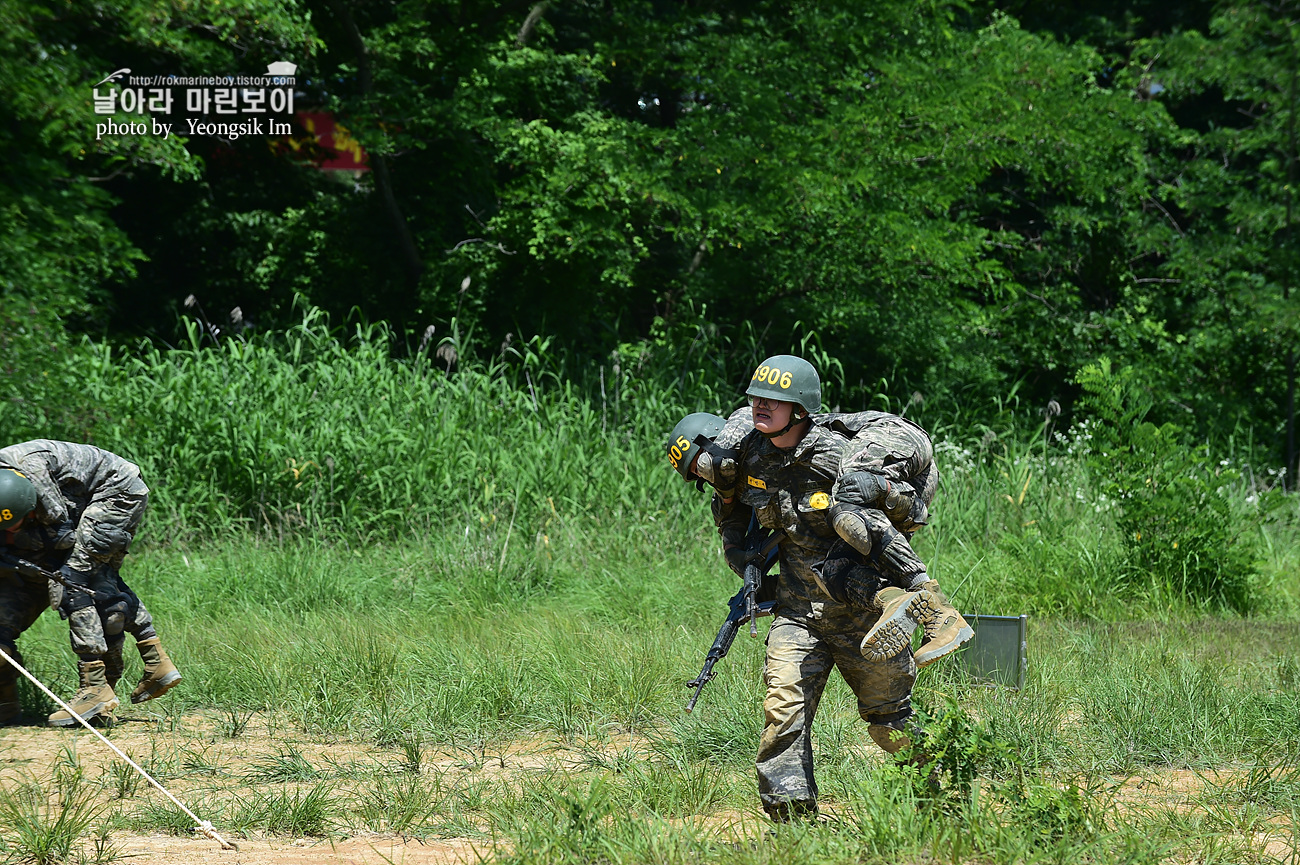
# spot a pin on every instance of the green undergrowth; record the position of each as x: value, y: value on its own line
x: 504, y: 465
x: 410, y: 650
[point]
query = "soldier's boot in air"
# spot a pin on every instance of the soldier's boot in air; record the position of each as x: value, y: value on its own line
x: 95, y: 700
x: 945, y: 629
x: 901, y: 613
x: 10, y: 708
x: 160, y: 674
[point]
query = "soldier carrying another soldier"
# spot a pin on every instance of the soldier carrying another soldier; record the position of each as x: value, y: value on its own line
x: 850, y: 603
x: 60, y: 496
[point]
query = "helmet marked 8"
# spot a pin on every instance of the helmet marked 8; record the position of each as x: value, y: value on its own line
x: 17, y: 498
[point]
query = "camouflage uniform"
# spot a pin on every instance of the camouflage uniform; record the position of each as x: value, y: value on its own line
x: 101, y: 497
x: 22, y: 600
x: 886, y: 445
x: 790, y: 490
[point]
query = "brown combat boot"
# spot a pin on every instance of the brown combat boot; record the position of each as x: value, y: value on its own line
x: 160, y: 674
x: 945, y: 629
x: 901, y: 613
x: 95, y: 700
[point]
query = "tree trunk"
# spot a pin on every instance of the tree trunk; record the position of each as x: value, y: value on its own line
x: 411, y: 262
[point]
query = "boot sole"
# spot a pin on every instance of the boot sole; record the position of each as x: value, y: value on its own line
x: 102, y: 711
x: 893, y: 634
x: 928, y: 656
x: 157, y: 689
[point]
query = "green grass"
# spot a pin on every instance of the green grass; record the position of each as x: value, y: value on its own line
x: 505, y: 465
x: 354, y: 549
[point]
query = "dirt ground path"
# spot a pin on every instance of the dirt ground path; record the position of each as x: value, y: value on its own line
x: 201, y: 759
x: 378, y: 850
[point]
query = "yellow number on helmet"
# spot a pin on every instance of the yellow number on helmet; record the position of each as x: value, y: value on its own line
x: 773, y: 374
x: 761, y: 374
x: 675, y: 455
x: 785, y: 379
x: 6, y: 515
x: 683, y: 444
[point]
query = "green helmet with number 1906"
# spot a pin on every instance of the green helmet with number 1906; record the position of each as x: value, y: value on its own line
x: 17, y: 498
x: 682, y: 448
x: 788, y: 378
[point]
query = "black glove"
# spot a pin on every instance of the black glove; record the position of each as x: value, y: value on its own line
x: 738, y: 558
x: 63, y: 537
x: 72, y: 599
x: 864, y: 489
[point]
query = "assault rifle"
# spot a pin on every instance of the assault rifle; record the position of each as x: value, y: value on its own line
x: 743, y: 607
x: 11, y: 561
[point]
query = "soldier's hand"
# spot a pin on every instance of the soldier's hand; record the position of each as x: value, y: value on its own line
x: 864, y: 489
x: 738, y: 558
x: 724, y: 479
x: 74, y: 578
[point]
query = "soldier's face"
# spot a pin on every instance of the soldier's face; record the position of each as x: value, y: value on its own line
x: 771, y: 415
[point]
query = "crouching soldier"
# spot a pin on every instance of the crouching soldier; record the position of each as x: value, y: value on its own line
x: 90, y: 500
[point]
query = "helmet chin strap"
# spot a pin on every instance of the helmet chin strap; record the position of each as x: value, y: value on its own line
x: 790, y: 424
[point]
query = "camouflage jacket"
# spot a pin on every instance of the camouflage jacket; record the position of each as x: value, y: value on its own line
x: 789, y: 489
x: 70, y: 476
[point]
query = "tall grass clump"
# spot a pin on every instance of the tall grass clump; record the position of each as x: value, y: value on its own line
x: 48, y: 825
x: 498, y: 459
x: 319, y: 430
x: 1176, y: 510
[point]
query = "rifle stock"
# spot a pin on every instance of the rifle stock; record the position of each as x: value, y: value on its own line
x: 17, y: 563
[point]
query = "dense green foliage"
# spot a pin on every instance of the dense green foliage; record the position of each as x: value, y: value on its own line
x: 956, y: 196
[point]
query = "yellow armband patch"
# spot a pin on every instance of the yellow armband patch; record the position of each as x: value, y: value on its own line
x: 819, y: 501
x: 756, y: 482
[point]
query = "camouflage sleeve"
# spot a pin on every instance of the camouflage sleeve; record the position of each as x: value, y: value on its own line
x: 739, y: 424
x: 51, y: 508
x: 890, y: 446
x: 733, y: 518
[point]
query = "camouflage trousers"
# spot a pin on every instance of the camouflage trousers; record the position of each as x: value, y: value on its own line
x: 92, y: 636
x: 800, y: 655
x: 105, y: 530
x: 103, y: 534
x: 22, y: 600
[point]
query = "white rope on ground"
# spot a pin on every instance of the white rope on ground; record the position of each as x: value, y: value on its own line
x: 202, y: 826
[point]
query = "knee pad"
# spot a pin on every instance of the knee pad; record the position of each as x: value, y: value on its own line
x: 851, y: 525
x: 114, y: 616
x: 104, y: 542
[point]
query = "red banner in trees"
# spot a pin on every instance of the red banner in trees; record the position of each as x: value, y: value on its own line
x: 341, y: 152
